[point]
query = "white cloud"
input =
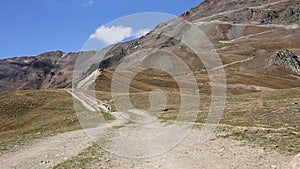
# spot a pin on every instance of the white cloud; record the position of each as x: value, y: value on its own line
x: 141, y: 32
x: 115, y: 34
x: 89, y: 3
x: 111, y: 35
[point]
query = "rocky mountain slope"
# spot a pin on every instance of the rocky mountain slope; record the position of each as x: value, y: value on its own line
x: 246, y: 34
x: 45, y: 71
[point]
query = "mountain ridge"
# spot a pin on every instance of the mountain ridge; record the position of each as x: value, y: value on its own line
x: 239, y: 30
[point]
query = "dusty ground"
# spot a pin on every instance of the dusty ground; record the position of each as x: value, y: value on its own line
x: 218, y: 152
x: 47, y: 152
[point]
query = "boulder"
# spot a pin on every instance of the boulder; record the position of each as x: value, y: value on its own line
x: 288, y: 60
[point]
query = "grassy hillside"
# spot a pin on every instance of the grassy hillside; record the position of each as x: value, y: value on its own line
x: 28, y: 115
x: 267, y: 118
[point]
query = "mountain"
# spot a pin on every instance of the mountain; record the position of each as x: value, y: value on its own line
x: 40, y: 72
x: 249, y: 36
x: 258, y: 43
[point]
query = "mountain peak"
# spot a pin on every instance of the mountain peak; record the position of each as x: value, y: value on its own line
x: 56, y: 53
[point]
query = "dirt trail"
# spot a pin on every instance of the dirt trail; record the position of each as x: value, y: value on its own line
x: 216, y: 153
x: 47, y: 152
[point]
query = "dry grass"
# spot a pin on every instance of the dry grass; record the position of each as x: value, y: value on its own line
x: 269, y: 119
x: 274, y: 82
x: 91, y: 155
x: 28, y: 115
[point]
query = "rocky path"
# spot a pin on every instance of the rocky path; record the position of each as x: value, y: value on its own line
x: 218, y: 152
x: 223, y: 153
x: 47, y: 152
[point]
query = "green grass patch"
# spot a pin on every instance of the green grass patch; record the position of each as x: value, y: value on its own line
x: 118, y: 127
x: 107, y: 116
x: 91, y: 155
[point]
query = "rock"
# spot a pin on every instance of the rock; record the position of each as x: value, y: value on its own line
x: 288, y: 60
x: 269, y: 17
x: 292, y: 15
x: 186, y: 14
x: 170, y: 42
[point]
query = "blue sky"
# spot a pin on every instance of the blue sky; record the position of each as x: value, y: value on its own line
x: 31, y: 27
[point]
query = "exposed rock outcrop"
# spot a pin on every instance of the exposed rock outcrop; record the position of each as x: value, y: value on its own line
x: 289, y: 60
x: 293, y: 14
x: 269, y: 17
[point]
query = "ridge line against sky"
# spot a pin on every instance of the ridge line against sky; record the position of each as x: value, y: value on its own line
x: 32, y: 27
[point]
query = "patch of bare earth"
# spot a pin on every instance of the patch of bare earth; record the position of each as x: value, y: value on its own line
x: 47, y: 152
x: 216, y: 153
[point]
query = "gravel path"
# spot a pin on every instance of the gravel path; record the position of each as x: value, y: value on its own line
x: 47, y: 152
x: 218, y: 152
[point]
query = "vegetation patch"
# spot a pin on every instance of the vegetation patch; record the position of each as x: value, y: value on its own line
x: 91, y: 155
x: 28, y: 115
